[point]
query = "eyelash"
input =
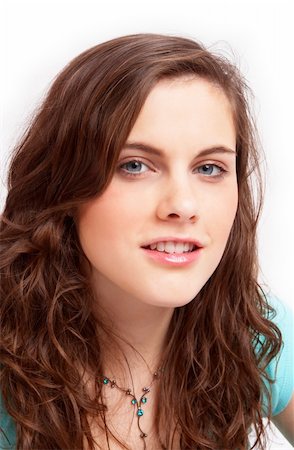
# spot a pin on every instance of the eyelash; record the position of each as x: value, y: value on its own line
x: 222, y: 173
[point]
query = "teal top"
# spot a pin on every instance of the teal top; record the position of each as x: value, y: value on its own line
x: 281, y: 391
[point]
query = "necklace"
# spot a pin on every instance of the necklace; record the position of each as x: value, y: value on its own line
x: 137, y: 403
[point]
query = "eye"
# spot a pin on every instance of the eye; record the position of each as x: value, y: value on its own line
x: 134, y: 167
x: 211, y: 170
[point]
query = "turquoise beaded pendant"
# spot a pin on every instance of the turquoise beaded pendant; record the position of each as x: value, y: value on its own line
x: 134, y: 401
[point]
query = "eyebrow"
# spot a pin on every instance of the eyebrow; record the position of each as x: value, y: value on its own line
x: 156, y: 151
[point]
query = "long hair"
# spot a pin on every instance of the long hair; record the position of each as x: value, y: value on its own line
x: 213, y: 382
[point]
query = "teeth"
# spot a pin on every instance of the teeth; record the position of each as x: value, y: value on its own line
x: 160, y: 246
x: 180, y: 246
x: 172, y: 247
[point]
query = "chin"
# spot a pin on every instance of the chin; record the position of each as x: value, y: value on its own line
x: 171, y: 301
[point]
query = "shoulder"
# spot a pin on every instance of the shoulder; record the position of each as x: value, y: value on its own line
x: 281, y: 368
x: 7, y: 429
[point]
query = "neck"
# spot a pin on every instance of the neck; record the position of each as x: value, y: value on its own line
x: 142, y: 329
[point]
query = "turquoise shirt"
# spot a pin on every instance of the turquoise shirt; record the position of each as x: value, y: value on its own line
x: 283, y: 388
x: 281, y: 391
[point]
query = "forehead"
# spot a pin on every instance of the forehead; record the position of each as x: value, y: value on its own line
x: 192, y: 92
x: 185, y: 109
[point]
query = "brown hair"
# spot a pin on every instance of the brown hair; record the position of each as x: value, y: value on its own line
x: 213, y: 379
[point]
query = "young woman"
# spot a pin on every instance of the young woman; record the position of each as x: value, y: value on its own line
x: 131, y: 312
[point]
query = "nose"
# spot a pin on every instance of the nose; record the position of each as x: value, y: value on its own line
x: 178, y: 203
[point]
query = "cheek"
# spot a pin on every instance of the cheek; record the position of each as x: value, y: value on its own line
x: 109, y: 217
x: 221, y: 214
x: 96, y: 224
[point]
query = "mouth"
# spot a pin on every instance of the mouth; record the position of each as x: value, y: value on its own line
x: 172, y: 247
x: 173, y: 252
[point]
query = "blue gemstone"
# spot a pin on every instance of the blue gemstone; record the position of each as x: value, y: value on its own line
x: 134, y: 401
x: 144, y: 400
x: 140, y: 412
x: 105, y: 381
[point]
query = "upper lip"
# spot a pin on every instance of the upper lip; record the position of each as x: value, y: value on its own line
x: 173, y: 239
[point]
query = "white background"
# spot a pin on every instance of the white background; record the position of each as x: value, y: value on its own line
x: 39, y: 37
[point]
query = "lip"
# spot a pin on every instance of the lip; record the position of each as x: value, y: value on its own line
x: 173, y: 259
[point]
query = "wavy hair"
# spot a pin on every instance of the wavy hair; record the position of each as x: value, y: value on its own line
x: 214, y: 375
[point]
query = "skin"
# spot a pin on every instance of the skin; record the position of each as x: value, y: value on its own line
x: 171, y: 196
x: 285, y: 421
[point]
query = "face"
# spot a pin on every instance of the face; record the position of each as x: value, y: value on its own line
x: 158, y: 232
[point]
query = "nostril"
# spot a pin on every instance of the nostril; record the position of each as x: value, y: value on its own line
x: 179, y: 216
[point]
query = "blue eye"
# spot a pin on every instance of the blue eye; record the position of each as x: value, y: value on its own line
x: 134, y: 167
x: 208, y: 169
